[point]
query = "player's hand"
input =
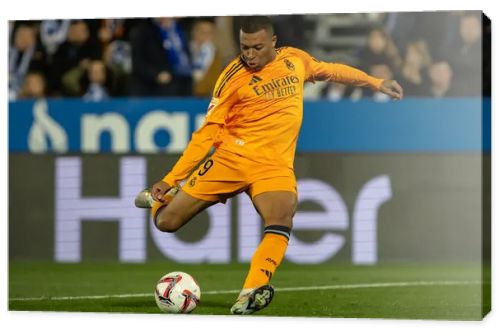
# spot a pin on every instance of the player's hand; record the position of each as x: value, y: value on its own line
x: 392, y: 88
x: 159, y: 189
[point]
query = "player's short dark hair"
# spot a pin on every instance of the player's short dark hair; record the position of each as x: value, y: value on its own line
x: 252, y: 24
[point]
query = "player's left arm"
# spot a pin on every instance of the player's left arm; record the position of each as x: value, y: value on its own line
x: 345, y: 74
x: 348, y: 75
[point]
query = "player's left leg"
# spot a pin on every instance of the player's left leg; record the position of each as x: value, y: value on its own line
x: 277, y: 209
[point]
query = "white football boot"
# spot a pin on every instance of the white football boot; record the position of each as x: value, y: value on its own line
x: 253, y: 300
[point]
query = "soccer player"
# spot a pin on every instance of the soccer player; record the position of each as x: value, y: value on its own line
x: 253, y: 122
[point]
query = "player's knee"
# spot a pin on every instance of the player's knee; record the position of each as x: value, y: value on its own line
x: 168, y: 222
x: 280, y: 214
x: 166, y: 226
x: 282, y: 222
x: 284, y: 219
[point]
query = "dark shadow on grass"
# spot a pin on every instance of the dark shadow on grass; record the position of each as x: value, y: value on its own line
x: 148, y: 306
x: 139, y: 303
x: 214, y: 303
x: 213, y: 307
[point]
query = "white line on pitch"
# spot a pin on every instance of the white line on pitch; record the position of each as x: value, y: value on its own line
x: 298, y: 288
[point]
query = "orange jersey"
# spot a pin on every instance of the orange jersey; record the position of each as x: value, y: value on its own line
x: 262, y: 111
x: 259, y: 113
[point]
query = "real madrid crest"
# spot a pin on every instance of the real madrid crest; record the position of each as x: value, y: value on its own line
x: 192, y: 182
x: 289, y: 65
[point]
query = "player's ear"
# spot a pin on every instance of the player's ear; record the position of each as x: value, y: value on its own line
x: 274, y: 39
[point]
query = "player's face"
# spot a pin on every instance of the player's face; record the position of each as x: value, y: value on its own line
x: 257, y: 48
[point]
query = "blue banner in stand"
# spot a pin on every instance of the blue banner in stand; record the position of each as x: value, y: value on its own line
x: 165, y: 125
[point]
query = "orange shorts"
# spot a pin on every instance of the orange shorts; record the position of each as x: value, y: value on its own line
x: 225, y: 174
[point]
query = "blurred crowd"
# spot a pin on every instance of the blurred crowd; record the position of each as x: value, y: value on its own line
x: 434, y: 54
x: 96, y: 59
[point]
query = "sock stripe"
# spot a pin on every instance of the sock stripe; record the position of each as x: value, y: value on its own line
x: 286, y: 235
x: 278, y: 229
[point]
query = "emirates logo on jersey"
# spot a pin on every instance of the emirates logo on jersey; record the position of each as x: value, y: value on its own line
x: 289, y: 65
x: 283, y: 86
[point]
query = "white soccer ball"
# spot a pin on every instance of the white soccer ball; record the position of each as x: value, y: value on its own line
x: 177, y: 292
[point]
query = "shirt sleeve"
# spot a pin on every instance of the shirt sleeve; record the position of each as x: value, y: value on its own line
x: 199, y: 146
x: 224, y: 95
x: 322, y: 71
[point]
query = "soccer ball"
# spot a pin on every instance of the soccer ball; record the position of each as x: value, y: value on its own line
x: 177, y: 292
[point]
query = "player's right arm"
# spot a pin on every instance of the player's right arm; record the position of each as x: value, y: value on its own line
x: 204, y: 138
x: 199, y: 146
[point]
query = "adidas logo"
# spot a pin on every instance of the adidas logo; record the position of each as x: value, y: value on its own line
x: 254, y: 80
x: 267, y: 273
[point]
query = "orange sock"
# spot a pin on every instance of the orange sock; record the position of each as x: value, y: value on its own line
x: 167, y: 198
x: 154, y: 209
x: 268, y: 256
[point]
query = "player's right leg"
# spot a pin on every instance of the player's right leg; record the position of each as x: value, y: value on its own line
x: 169, y: 217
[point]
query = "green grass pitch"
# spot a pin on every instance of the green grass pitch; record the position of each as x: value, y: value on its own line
x: 394, y: 291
